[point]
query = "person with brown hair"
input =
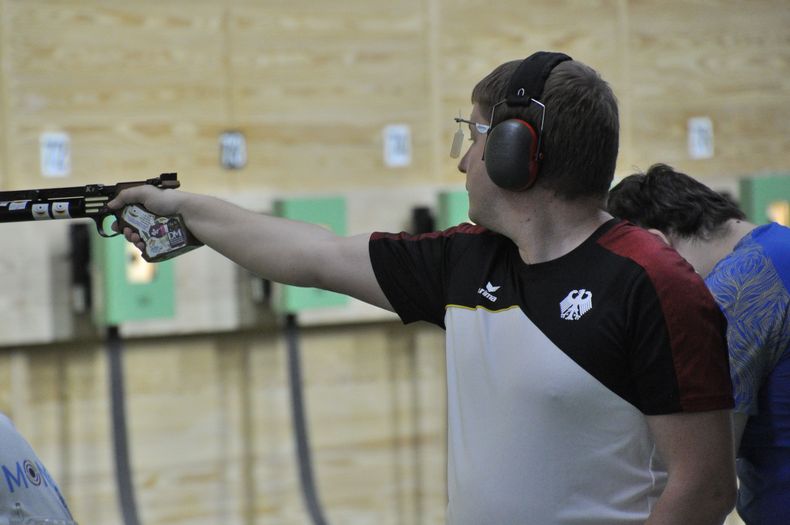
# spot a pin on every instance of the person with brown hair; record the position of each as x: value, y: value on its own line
x: 747, y: 268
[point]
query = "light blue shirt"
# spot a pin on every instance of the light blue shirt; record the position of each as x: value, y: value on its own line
x: 28, y: 494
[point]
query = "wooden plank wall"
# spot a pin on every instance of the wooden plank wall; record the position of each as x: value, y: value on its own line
x: 210, y: 425
x: 144, y: 87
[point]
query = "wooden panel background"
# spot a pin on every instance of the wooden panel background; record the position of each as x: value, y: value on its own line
x: 147, y: 86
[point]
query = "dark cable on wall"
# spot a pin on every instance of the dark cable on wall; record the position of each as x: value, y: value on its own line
x: 123, y: 471
x: 309, y: 491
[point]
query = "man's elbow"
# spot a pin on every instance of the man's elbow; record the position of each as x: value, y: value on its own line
x: 723, y: 496
x: 704, y: 502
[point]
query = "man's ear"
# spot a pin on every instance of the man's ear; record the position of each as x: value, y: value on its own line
x: 661, y: 235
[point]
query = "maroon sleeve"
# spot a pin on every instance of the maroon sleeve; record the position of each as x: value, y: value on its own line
x: 674, y: 308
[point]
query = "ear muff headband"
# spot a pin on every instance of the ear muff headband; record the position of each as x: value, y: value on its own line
x: 529, y: 79
x: 512, y: 154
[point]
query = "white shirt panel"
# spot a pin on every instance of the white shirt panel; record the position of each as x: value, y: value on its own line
x: 527, y: 426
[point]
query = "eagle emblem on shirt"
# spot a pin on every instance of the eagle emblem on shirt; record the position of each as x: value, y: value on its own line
x: 576, y: 304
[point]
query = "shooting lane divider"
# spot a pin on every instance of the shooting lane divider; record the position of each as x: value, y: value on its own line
x: 310, y: 495
x: 123, y: 470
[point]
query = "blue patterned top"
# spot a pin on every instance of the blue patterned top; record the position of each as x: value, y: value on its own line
x: 751, y: 286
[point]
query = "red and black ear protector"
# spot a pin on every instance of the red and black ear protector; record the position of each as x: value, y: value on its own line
x: 512, y: 151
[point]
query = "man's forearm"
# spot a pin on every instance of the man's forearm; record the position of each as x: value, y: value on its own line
x: 278, y: 249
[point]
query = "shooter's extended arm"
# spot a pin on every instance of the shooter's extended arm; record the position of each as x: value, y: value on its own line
x: 71, y: 203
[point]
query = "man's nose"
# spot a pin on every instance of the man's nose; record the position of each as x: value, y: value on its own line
x: 462, y: 164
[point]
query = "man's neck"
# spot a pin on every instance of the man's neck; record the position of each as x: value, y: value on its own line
x: 705, y: 254
x: 552, y: 227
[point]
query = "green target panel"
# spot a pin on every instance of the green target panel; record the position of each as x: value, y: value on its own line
x: 329, y: 212
x: 766, y: 198
x: 126, y: 287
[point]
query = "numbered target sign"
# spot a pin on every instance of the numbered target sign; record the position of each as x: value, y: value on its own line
x: 55, y: 154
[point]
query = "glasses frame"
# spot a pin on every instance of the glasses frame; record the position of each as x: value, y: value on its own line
x: 483, y: 129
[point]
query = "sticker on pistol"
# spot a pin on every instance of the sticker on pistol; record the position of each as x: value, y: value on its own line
x: 161, y: 235
x: 40, y: 212
x: 14, y: 205
x: 60, y: 210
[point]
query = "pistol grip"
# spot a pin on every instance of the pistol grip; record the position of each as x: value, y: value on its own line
x: 164, y: 237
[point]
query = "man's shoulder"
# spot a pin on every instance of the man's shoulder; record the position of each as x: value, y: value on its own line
x: 461, y: 229
x: 774, y: 240
x: 758, y: 267
x: 763, y: 252
x: 644, y: 249
x: 771, y: 232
